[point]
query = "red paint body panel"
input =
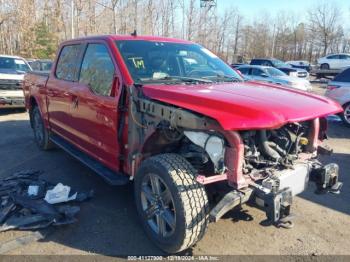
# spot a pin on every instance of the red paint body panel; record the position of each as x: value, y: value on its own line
x: 243, y: 106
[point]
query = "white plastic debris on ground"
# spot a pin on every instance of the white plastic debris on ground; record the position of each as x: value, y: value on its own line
x: 33, y: 190
x: 59, y: 194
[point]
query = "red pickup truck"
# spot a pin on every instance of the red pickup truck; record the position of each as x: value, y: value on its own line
x: 194, y: 138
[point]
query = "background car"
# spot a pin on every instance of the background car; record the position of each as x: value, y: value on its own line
x: 339, y: 90
x: 273, y: 75
x: 301, y: 64
x: 12, y: 71
x: 289, y: 70
x: 334, y: 61
x: 43, y: 65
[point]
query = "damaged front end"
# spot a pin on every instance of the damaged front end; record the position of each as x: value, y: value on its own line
x: 265, y: 166
x: 277, y: 165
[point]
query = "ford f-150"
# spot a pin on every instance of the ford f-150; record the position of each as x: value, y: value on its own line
x: 193, y: 137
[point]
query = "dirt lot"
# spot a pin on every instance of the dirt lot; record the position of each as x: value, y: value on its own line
x: 108, y: 224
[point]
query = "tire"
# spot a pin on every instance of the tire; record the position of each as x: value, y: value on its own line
x: 325, y: 66
x: 41, y: 134
x: 345, y: 116
x: 184, y: 216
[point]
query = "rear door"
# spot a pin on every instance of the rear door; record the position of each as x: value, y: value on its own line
x: 344, y: 61
x: 95, y: 114
x: 334, y: 61
x: 59, y: 86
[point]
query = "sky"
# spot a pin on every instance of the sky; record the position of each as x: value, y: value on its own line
x: 251, y: 8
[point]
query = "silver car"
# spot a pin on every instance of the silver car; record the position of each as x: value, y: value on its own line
x: 273, y: 75
x: 339, y: 90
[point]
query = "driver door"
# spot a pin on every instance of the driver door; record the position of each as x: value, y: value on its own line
x: 95, y: 114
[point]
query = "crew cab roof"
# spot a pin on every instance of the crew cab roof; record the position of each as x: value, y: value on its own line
x: 130, y: 37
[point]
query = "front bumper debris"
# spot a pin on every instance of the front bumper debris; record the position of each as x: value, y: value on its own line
x: 275, y: 195
x: 327, y: 179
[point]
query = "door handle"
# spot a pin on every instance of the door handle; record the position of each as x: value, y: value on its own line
x: 75, y: 101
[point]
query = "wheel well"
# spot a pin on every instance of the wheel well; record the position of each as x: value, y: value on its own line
x: 167, y: 140
x: 32, y: 102
x: 158, y: 143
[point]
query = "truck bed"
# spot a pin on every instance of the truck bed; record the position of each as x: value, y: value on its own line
x: 33, y: 81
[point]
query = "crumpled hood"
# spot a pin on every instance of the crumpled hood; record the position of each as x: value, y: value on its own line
x: 245, y: 105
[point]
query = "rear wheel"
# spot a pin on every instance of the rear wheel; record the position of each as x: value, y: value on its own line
x: 346, y: 114
x: 172, y: 205
x: 325, y: 66
x: 41, y: 134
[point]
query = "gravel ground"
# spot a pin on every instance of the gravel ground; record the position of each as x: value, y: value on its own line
x: 108, y: 224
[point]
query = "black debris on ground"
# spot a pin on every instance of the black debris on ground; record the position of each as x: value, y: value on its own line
x: 23, y: 205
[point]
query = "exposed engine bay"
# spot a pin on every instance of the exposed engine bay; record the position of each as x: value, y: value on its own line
x: 264, y: 150
x: 274, y: 149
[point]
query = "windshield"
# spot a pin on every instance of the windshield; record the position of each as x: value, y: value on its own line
x: 279, y: 63
x: 274, y: 72
x: 149, y: 61
x: 14, y: 64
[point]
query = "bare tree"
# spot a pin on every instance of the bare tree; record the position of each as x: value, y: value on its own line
x: 324, y: 20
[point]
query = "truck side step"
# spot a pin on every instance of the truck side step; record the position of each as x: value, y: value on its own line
x: 111, y: 177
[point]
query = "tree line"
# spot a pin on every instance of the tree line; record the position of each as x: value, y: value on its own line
x: 34, y: 28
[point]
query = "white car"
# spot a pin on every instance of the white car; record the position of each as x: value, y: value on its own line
x: 334, y: 61
x: 12, y: 71
x: 339, y: 90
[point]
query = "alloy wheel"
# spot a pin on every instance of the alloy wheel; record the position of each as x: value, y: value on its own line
x: 158, y: 206
x: 347, y: 113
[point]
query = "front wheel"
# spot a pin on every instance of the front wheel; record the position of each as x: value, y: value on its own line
x: 172, y: 205
x: 325, y: 66
x: 346, y: 114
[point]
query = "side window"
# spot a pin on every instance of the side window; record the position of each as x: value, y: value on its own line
x: 333, y: 57
x: 344, y: 57
x: 244, y: 71
x: 68, y: 62
x: 343, y: 76
x: 257, y: 72
x: 266, y: 63
x: 97, y: 69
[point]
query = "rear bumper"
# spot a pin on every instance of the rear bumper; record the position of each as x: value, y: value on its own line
x: 12, y: 102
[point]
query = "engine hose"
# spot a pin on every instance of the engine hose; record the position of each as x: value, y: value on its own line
x: 264, y: 146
